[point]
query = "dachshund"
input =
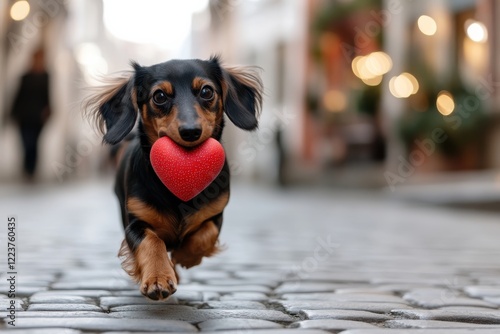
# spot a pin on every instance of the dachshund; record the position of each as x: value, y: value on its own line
x: 185, y: 100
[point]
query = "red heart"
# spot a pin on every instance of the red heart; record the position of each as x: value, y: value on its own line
x: 187, y: 172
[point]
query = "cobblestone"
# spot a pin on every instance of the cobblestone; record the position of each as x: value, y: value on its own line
x: 60, y: 314
x: 405, y: 323
x: 273, y: 331
x: 18, y: 304
x: 243, y: 282
x: 331, y: 324
x: 493, y: 300
x: 464, y: 314
x: 236, y: 324
x: 95, y: 284
x: 241, y: 304
x: 387, y: 268
x: 106, y: 324
x: 344, y: 315
x: 345, y: 297
x: 59, y: 299
x: 239, y: 331
x: 255, y: 296
x: 72, y: 293
x: 44, y: 331
x: 227, y: 288
x: 193, y: 315
x: 434, y: 298
x: 483, y: 291
x: 294, y: 287
x: 115, y: 301
x: 295, y: 306
x: 423, y: 331
x: 64, y: 307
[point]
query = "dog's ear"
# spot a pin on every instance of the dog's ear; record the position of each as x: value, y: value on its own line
x: 242, y: 94
x: 114, y: 108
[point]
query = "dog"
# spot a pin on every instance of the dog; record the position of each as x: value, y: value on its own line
x: 185, y: 100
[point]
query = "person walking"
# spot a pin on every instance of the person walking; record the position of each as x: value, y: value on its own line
x: 31, y: 110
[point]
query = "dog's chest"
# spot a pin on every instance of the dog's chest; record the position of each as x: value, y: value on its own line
x: 173, y: 228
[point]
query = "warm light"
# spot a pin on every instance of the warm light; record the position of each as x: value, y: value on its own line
x: 427, y: 25
x: 378, y: 63
x: 373, y: 81
x: 445, y: 103
x: 364, y: 72
x: 334, y: 100
x: 20, y: 10
x: 403, y: 85
x: 392, y: 88
x: 372, y: 67
x: 166, y: 24
x: 355, y: 66
x: 413, y: 80
x: 476, y: 31
x: 476, y: 55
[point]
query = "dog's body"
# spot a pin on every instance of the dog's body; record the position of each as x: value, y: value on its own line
x: 184, y: 100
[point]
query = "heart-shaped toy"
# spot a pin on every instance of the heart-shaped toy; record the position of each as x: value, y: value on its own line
x: 187, y: 172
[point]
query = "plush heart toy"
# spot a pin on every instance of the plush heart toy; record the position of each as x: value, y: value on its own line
x: 187, y: 172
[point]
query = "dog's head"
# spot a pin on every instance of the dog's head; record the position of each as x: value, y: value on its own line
x: 182, y: 99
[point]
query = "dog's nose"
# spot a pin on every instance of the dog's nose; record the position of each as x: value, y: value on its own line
x: 190, y: 133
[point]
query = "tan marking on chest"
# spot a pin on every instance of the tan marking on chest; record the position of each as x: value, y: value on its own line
x: 194, y: 220
x: 164, y: 225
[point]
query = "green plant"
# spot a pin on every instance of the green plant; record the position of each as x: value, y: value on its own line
x: 464, y: 128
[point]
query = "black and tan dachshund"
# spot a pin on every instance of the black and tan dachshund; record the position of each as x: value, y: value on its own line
x: 186, y: 101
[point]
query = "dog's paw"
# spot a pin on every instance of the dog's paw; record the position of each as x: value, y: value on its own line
x: 158, y: 288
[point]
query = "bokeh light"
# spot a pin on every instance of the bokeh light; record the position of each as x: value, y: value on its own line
x: 373, y: 81
x: 378, y: 63
x: 476, y: 31
x: 334, y: 100
x: 445, y: 103
x: 413, y: 80
x: 20, y: 10
x: 372, y: 67
x: 427, y: 25
x: 403, y: 85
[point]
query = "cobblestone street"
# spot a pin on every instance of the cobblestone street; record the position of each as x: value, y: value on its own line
x: 302, y: 260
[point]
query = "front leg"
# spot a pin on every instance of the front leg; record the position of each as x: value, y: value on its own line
x: 198, y: 244
x: 146, y: 260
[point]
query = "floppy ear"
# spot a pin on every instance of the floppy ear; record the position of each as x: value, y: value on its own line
x: 114, y: 109
x: 242, y: 94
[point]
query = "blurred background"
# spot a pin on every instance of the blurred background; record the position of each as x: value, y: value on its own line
x: 359, y: 93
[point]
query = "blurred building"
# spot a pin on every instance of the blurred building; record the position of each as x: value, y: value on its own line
x: 385, y: 89
x: 360, y: 90
x: 451, y: 118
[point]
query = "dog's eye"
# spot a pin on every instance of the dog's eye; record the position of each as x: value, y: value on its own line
x: 207, y: 93
x: 159, y: 97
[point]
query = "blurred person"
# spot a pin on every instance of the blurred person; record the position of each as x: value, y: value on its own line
x: 31, y: 110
